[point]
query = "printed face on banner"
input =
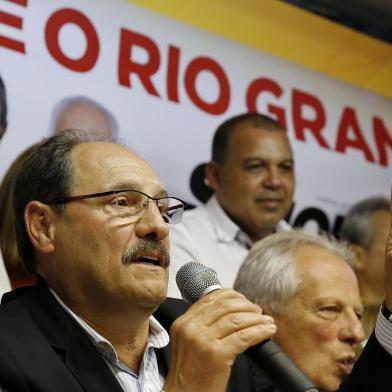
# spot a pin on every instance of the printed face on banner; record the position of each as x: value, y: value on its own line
x: 321, y: 327
x: 84, y: 116
x: 190, y: 80
x: 255, y: 184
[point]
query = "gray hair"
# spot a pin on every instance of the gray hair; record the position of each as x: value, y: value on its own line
x: 76, y: 100
x: 45, y: 175
x: 357, y: 225
x: 269, y: 275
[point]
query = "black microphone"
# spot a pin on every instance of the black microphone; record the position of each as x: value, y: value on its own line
x: 195, y: 280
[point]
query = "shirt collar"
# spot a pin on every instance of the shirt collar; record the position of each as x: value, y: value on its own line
x: 157, y: 336
x: 226, y: 230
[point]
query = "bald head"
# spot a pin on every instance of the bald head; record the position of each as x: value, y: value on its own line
x: 96, y: 166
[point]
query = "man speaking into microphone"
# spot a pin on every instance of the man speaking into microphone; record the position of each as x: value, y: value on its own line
x: 92, y: 219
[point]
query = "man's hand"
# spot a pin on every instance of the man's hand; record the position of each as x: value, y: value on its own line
x: 388, y: 266
x: 207, y: 338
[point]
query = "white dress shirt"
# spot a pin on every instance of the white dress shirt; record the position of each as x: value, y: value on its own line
x: 4, y: 280
x: 207, y: 235
x: 383, y: 332
x: 148, y: 379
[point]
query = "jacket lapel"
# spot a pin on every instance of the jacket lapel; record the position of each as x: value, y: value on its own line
x: 87, y: 365
x: 69, y: 341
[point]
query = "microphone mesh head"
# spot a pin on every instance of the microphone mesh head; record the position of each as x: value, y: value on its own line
x: 193, y: 279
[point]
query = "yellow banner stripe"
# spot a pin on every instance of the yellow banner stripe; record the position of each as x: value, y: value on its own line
x: 291, y: 33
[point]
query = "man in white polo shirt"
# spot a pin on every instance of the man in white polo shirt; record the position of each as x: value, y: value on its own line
x: 92, y: 220
x: 252, y: 175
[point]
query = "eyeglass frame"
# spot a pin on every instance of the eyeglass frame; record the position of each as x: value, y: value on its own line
x: 65, y: 200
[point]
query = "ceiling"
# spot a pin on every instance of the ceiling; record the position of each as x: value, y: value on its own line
x: 372, y: 17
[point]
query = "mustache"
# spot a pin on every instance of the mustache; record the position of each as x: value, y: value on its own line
x: 143, y: 247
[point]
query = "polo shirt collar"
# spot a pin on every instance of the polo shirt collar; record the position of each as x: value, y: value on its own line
x: 157, y: 335
x: 225, y: 229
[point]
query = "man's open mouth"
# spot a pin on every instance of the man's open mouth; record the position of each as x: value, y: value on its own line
x: 148, y: 260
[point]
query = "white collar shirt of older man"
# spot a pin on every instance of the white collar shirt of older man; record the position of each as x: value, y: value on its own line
x: 149, y: 379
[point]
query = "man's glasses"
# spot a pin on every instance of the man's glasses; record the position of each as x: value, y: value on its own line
x: 133, y: 204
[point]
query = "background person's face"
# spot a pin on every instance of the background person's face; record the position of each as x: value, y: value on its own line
x: 90, y: 242
x: 322, y: 326
x: 255, y: 185
x: 375, y: 256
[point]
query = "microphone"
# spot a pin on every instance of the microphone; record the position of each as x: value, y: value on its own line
x: 195, y: 280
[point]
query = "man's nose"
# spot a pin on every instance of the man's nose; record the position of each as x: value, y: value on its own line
x: 352, y: 330
x: 273, y: 177
x: 152, y: 224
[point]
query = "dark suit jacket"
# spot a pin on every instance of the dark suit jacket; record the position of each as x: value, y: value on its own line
x: 42, y: 349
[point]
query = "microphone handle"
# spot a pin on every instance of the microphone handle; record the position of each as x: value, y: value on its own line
x: 280, y: 368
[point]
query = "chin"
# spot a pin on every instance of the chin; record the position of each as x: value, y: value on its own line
x: 332, y: 385
x: 156, y: 297
x: 269, y: 225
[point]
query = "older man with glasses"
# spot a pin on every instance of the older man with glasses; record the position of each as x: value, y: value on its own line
x: 92, y: 220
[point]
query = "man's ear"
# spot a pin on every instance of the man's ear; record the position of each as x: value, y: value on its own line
x: 39, y: 221
x: 212, y: 175
x: 359, y: 257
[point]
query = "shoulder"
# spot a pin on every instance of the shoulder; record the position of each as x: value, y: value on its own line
x: 17, y: 325
x: 199, y: 218
x: 197, y: 214
x: 194, y: 223
x: 11, y: 306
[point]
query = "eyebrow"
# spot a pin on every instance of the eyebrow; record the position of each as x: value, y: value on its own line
x: 125, y: 185
x: 260, y: 159
x: 136, y: 187
x: 324, y: 300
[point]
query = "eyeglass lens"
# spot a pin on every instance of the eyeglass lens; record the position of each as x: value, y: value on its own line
x: 135, y: 204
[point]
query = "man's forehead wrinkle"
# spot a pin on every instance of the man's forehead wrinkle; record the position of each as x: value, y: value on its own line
x: 328, y: 264
x: 106, y: 166
x: 130, y: 171
x: 308, y: 256
x: 91, y: 161
x: 103, y: 155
